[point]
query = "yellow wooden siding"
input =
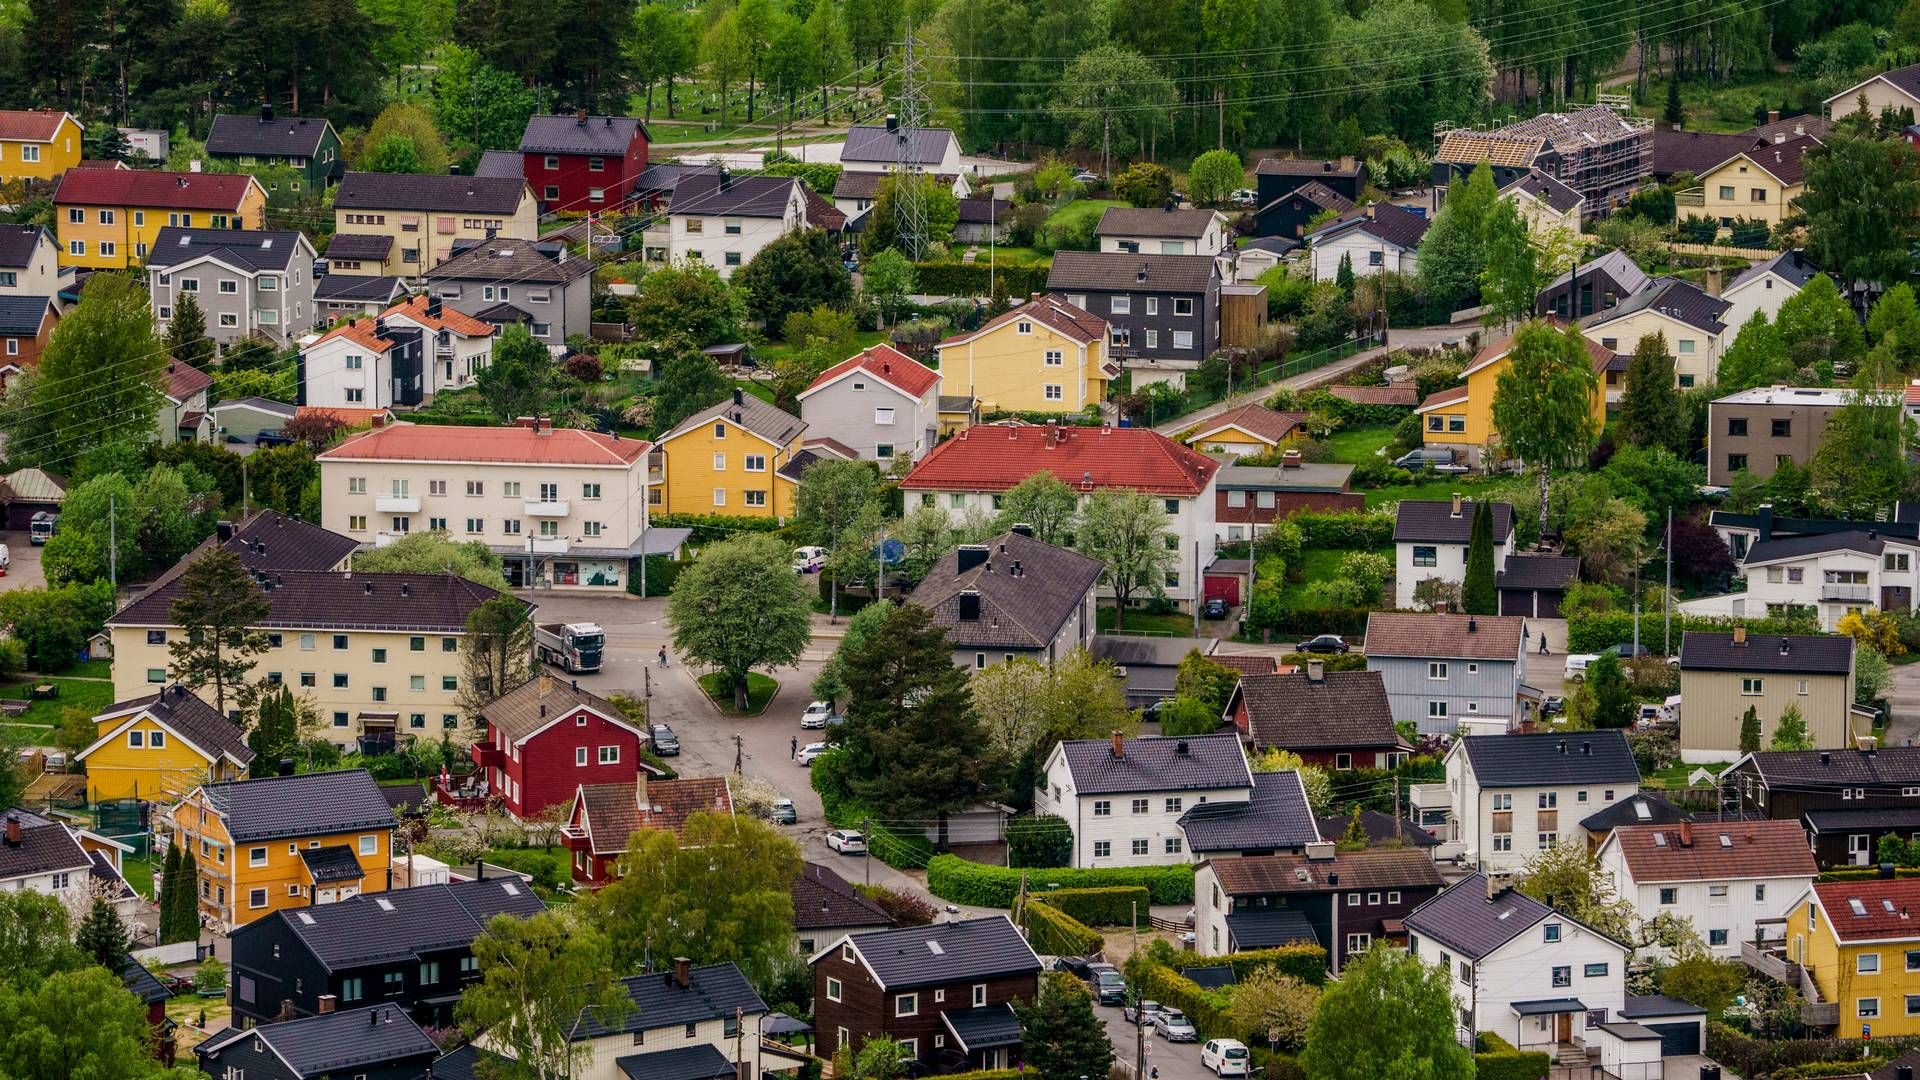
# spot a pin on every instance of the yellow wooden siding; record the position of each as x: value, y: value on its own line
x: 1835, y: 970
x: 1477, y: 408
x: 56, y: 156
x: 1008, y: 371
x: 226, y: 870
x: 133, y: 229
x: 1745, y: 178
x: 691, y: 477
x: 118, y: 770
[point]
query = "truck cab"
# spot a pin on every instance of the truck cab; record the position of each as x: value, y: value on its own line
x: 574, y: 647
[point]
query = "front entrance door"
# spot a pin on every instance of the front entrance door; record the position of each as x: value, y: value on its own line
x: 1563, y: 1028
x: 1859, y: 851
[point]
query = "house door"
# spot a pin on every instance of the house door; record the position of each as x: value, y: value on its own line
x: 1859, y: 851
x: 1563, y: 1028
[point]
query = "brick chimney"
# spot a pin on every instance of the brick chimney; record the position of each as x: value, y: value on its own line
x: 1739, y: 635
x: 1456, y: 505
x: 1316, y: 670
x: 13, y: 827
x: 682, y: 972
x: 327, y: 1003
x: 1119, y: 747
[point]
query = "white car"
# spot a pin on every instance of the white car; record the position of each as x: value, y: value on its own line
x: 810, y: 751
x: 1226, y: 1057
x: 1577, y: 665
x: 807, y: 560
x: 816, y: 715
x: 847, y: 842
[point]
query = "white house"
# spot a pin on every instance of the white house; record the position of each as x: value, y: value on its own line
x: 1124, y: 798
x: 37, y: 855
x: 404, y: 356
x: 1692, y: 321
x: 1378, y: 238
x: 30, y: 262
x: 1508, y: 792
x: 725, y: 220
x: 1537, y: 978
x: 877, y: 148
x: 1430, y: 540
x: 1546, y: 204
x: 1832, y: 573
x: 1734, y: 881
x: 969, y: 475
x: 1764, y: 287
x: 1166, y: 230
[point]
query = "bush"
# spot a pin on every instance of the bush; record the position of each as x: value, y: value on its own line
x: 1592, y: 631
x: 210, y: 977
x: 662, y: 572
x: 902, y: 851
x: 549, y: 869
x: 1056, y: 933
x: 1207, y: 1009
x: 1279, y: 1065
x: 970, y: 279
x: 1308, y: 963
x: 907, y: 909
x: 1347, y: 529
x: 979, y: 885
x: 1347, y: 661
x: 1112, y: 905
x: 1496, y: 1059
x: 1044, y: 840
x: 1748, y: 1056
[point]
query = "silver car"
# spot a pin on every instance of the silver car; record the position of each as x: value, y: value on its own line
x: 1173, y: 1025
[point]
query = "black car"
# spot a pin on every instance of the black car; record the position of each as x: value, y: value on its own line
x: 1326, y: 643
x: 1553, y: 705
x: 1080, y: 967
x: 1215, y: 608
x: 272, y: 437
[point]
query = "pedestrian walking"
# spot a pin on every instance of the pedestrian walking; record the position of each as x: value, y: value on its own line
x: 1543, y: 643
x: 663, y: 656
x: 793, y: 751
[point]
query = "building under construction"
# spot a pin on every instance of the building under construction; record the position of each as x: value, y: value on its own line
x: 1597, y: 152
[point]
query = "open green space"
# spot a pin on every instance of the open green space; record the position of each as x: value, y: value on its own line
x: 1440, y: 487
x: 719, y: 690
x: 1674, y: 776
x: 1172, y: 624
x: 94, y: 695
x: 1353, y: 445
x: 139, y: 872
x: 775, y: 351
x: 1726, y: 106
x: 1082, y: 208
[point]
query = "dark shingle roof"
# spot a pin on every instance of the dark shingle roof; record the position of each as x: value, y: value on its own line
x: 309, y: 804
x: 270, y: 540
x: 1211, y: 977
x: 1024, y: 609
x: 281, y: 136
x: 335, y: 1043
x: 823, y: 899
x: 1676, y: 299
x: 469, y: 1062
x: 196, y: 721
x: 1277, y: 816
x: 873, y: 142
x: 969, y: 949
x: 1642, y: 808
x: 1120, y: 271
x: 664, y: 177
x: 1385, y: 221
x: 342, y: 288
x: 1276, y: 166
x: 1888, y: 817
x: 502, y: 164
x: 540, y: 701
x: 713, y: 992
x: 369, y: 246
x: 985, y: 211
x: 1794, y: 547
x: 606, y: 135
x: 1801, y: 654
x: 1694, y: 151
x: 335, y: 862
x: 762, y: 418
x: 517, y: 261
x: 1462, y: 918
x: 402, y: 923
x: 1643, y: 1006
x: 242, y: 249
x: 1546, y: 572
x: 1794, y: 266
x: 1168, y: 222
x: 325, y: 600
x: 407, y: 191
x: 741, y: 196
x: 1792, y: 127
x: 1153, y: 763
x: 1623, y: 271
x: 1887, y: 766
x: 43, y: 849
x: 697, y: 1062
x: 1433, y: 521
x: 22, y: 315
x: 1383, y: 868
x: 1294, y: 712
x: 17, y: 243
x: 1784, y: 161
x: 1547, y: 189
x: 1547, y: 759
x: 1269, y: 928
x: 1380, y: 829
x: 983, y: 1027
x: 141, y: 982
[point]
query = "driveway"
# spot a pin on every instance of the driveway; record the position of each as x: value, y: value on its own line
x: 1903, y: 706
x: 1547, y: 673
x: 24, y: 571
x: 1172, y: 1061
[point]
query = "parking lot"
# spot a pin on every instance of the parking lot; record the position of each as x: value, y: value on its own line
x: 23, y: 571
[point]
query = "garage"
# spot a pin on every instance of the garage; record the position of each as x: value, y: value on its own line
x: 1677, y: 1039
x: 1681, y: 1025
x: 1534, y: 585
x: 28, y: 492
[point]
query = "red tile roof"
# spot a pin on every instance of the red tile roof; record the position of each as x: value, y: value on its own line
x: 1913, y: 392
x: 1255, y: 419
x: 415, y: 309
x: 358, y: 331
x: 1704, y: 850
x: 176, y: 190
x: 995, y: 457
x: 520, y: 445
x: 1887, y: 908
x: 1406, y: 394
x: 1050, y: 310
x: 24, y: 125
x: 616, y: 811
x: 886, y: 363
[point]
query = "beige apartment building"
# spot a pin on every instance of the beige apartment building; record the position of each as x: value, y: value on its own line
x: 561, y: 503
x: 1722, y: 675
x: 1757, y: 430
x: 424, y: 216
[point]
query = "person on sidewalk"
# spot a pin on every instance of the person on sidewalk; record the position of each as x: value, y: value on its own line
x: 663, y: 656
x: 793, y: 750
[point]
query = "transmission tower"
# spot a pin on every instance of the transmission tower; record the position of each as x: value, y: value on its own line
x: 909, y: 117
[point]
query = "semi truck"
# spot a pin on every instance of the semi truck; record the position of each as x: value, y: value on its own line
x: 572, y: 647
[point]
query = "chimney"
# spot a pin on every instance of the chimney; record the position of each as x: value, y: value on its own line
x: 1473, y: 625
x: 1182, y: 749
x: 327, y: 1003
x: 1714, y: 280
x: 739, y: 396
x: 580, y: 119
x: 546, y: 685
x: 1456, y: 505
x: 1773, y: 116
x: 1563, y: 746
x: 266, y: 113
x: 1586, y: 749
x: 223, y: 531
x: 969, y: 606
x: 1022, y: 528
x: 1316, y: 670
x: 1826, y: 758
x: 1290, y: 460
x: 1785, y: 646
x: 1887, y: 871
x: 1169, y: 206
x: 1496, y: 884
x: 682, y: 971
x: 13, y: 830
x: 1141, y: 275
x: 893, y: 122
x: 1119, y: 746
x: 1739, y: 635
x: 286, y: 766
x: 1686, y: 834
x: 433, y: 306
x: 1766, y: 522
x: 969, y: 556
x: 1439, y: 607
x: 379, y: 421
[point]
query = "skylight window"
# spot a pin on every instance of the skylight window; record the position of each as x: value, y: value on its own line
x: 1858, y: 907
x: 306, y: 918
x: 385, y: 904
x: 1642, y: 811
x: 511, y: 888
x: 935, y: 948
x: 1725, y: 840
x: 1659, y: 839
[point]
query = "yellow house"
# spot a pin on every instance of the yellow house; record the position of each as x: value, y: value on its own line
x: 36, y: 145
x: 1859, y: 943
x: 422, y: 217
x: 284, y: 842
x: 1243, y: 432
x: 740, y: 458
x: 1759, y: 184
x: 1044, y: 356
x: 1692, y: 320
x: 1461, y: 417
x: 161, y: 746
x: 108, y: 219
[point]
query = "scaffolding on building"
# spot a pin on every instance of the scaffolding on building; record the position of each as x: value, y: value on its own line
x: 1596, y: 151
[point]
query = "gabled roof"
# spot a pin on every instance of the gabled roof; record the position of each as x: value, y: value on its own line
x: 542, y: 701
x: 1548, y: 190
x: 1784, y: 161
x: 1679, y: 300
x: 271, y: 136
x: 726, y: 195
x: 468, y: 1062
x: 1897, y: 766
x: 359, y: 246
x: 247, y: 250
x: 1433, y: 521
x: 962, y: 951
x: 1622, y: 270
x: 1859, y: 541
x: 1464, y: 920
x: 185, y: 380
x: 1252, y: 418
x: 1314, y: 193
x: 1153, y: 763
x: 1340, y: 710
x: 697, y: 1061
x: 1268, y: 928
x: 1307, y: 476
x: 1389, y: 222
x: 1120, y: 271
x: 31, y: 125
x: 1695, y: 151
x: 18, y: 243
x: 1279, y: 166
x: 34, y: 485
x: 1444, y: 636
x: 1169, y: 222
x: 279, y: 409
x: 822, y: 900
x: 995, y: 457
x: 1407, y: 394
x: 874, y: 143
x: 500, y: 164
x: 1027, y: 589
x: 332, y: 1044
x: 1493, y: 352
x: 326, y: 600
x: 522, y: 262
x: 1549, y: 759
x: 43, y: 849
x: 1442, y: 398
x: 1545, y: 572
x: 24, y: 315
x: 306, y: 804
x: 345, y: 288
x: 603, y: 135
x: 1381, y: 829
x: 400, y: 924
x: 1640, y: 808
x: 1792, y: 267
x: 1704, y: 850
x: 489, y: 445
x: 979, y: 211
x: 885, y: 363
x: 182, y: 712
x: 748, y: 412
x: 1873, y: 910
x: 1049, y: 310
x: 713, y: 992
x: 1276, y: 816
x: 141, y: 982
x: 614, y: 812
x: 170, y: 190
x: 1791, y: 654
x: 422, y: 192
x: 663, y: 177
x: 1463, y: 147
x: 1792, y: 127
x: 1256, y: 875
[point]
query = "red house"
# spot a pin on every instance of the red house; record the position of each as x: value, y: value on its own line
x: 605, y: 817
x: 547, y: 738
x: 1333, y: 719
x: 583, y: 163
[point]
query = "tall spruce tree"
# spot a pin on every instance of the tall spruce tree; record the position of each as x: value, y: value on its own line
x: 1750, y: 731
x: 187, y: 339
x: 169, y: 881
x: 1478, y: 595
x: 219, y: 608
x: 1651, y: 412
x: 102, y: 937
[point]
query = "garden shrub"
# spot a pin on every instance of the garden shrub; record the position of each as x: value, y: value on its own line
x: 979, y: 885
x: 1305, y: 962
x: 1344, y: 529
x: 1279, y: 1065
x: 549, y: 869
x: 1043, y: 840
x: 1348, y: 661
x: 970, y: 279
x: 1595, y: 630
x: 900, y: 850
x: 1111, y: 905
x: 1055, y: 933
x: 1511, y: 1064
x: 1207, y: 1009
x: 1744, y: 1055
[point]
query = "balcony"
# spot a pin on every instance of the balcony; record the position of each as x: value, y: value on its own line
x: 1690, y: 197
x: 1846, y: 593
x: 397, y: 504
x: 547, y: 545
x: 574, y: 838
x: 1771, y: 961
x: 487, y: 756
x: 547, y: 508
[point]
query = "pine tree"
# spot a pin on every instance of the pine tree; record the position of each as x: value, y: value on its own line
x: 102, y: 937
x: 1343, y: 278
x: 1355, y: 838
x: 275, y: 733
x: 1674, y: 113
x: 1790, y: 731
x: 1651, y: 412
x: 1478, y: 595
x: 169, y: 885
x: 187, y: 926
x: 219, y: 607
x: 187, y: 339
x: 1750, y: 731
x: 1060, y: 1035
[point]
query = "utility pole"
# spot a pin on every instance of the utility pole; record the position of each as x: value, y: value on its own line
x: 1397, y: 834
x: 245, y: 499
x: 1139, y: 1027
x: 1667, y: 648
x: 866, y: 833
x: 113, y: 546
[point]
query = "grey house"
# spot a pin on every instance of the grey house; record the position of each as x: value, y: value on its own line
x: 1449, y: 673
x: 507, y: 281
x: 1164, y: 310
x: 1011, y: 597
x: 249, y: 284
x: 349, y: 296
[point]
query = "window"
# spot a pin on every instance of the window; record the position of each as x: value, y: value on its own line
x: 1751, y: 687
x: 1550, y: 932
x: 1343, y: 762
x: 731, y: 226
x: 885, y: 450
x: 1782, y: 428
x: 1053, y: 392
x: 229, y: 287
x: 1139, y: 847
x: 1139, y: 806
x: 1594, y: 971
x: 1183, y: 306
x: 1436, y: 669
x: 1426, y: 555
x: 1153, y: 306
x: 256, y: 898
x: 76, y: 247
x: 1183, y: 339
x: 339, y: 680
x: 833, y: 989
x: 1867, y: 1008
x: 610, y: 755
x: 1563, y: 976
x: 979, y: 994
x: 1173, y: 805
x: 719, y: 496
x: 1055, y: 358
x: 1736, y: 425
x: 307, y: 679
x: 1503, y: 801
x: 1173, y: 846
x: 379, y: 656
x: 416, y: 683
x: 1102, y: 848
x: 1716, y: 937
x: 370, y: 844
x: 257, y: 856
x: 1102, y: 808
x: 1726, y: 191
x: 1717, y: 892
x: 1548, y: 800
x: 754, y: 498
x: 1122, y: 305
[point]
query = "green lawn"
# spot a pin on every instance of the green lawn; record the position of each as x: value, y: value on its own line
x: 1317, y: 564
x: 1173, y: 624
x: 757, y: 389
x: 1438, y: 488
x: 1004, y: 256
x: 94, y: 695
x: 1724, y: 107
x: 1674, y: 777
x: 139, y: 872
x: 760, y: 690
x: 778, y: 350
x: 1082, y: 208
x: 1353, y: 445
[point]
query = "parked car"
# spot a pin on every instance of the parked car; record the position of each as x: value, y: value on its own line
x: 1085, y: 178
x: 1552, y: 705
x: 1226, y: 1057
x: 42, y: 527
x: 271, y: 437
x: 807, y: 560
x: 1326, y: 643
x: 665, y: 742
x: 1424, y: 457
x: 1109, y: 988
x: 1173, y: 1026
x: 783, y: 813
x: 847, y: 842
x: 810, y: 751
x: 1080, y: 967
x: 1215, y: 608
x: 1143, y: 1012
x: 816, y: 715
x: 1245, y: 197
x: 1577, y: 662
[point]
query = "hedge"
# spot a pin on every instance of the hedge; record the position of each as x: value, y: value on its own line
x: 1056, y: 933
x: 1305, y: 962
x: 1112, y: 905
x: 1750, y: 1057
x: 1344, y: 529
x: 985, y: 1074
x: 1866, y: 873
x: 970, y: 279
x: 1499, y: 1060
x: 1279, y: 1065
x: 714, y: 523
x: 979, y: 885
x: 1590, y: 632
x: 662, y: 572
x: 902, y: 851
x: 1206, y: 1008
x: 1294, y: 621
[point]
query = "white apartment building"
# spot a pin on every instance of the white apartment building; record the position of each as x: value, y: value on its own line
x: 1514, y: 796
x: 725, y: 220
x: 1124, y: 798
x: 570, y: 505
x: 1733, y: 881
x: 1833, y: 573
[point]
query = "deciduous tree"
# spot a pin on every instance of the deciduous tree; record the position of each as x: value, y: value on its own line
x: 1043, y: 501
x: 540, y: 977
x: 1268, y: 1003
x: 799, y: 271
x: 496, y: 655
x: 1861, y: 465
x: 1214, y: 177
x: 740, y: 606
x: 518, y: 381
x: 887, y: 281
x: 435, y: 552
x: 1897, y: 315
x: 1511, y: 281
x: 1790, y: 731
x: 1390, y: 1017
x: 1543, y: 401
x: 832, y: 496
x: 1453, y: 253
x: 1862, y: 206
x: 99, y: 377
x: 686, y: 306
x: 1127, y: 532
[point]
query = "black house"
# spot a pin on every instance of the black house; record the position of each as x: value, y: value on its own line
x: 1846, y: 799
x: 1595, y: 285
x: 411, y: 948
x: 376, y: 1043
x: 1287, y: 215
x: 1159, y: 307
x: 1344, y: 901
x: 1275, y: 177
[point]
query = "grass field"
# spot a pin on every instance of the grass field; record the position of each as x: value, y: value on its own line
x: 1082, y: 208
x: 778, y: 350
x: 1173, y: 624
x: 139, y: 871
x: 1438, y: 488
x: 1353, y: 445
x: 94, y: 695
x: 1727, y: 106
x: 1674, y: 777
x: 760, y: 690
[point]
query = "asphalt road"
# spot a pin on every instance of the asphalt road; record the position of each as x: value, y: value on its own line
x: 1174, y: 1061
